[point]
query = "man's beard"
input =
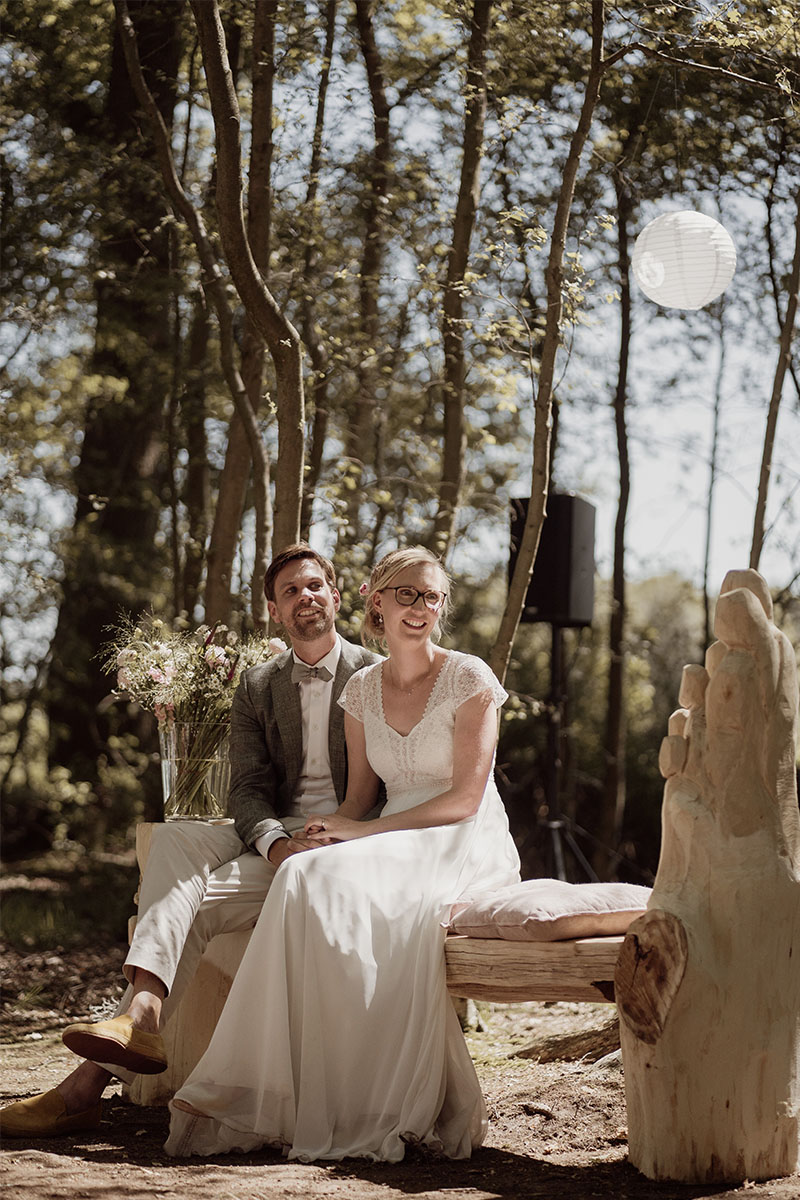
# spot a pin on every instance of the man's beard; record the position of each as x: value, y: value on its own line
x: 309, y: 631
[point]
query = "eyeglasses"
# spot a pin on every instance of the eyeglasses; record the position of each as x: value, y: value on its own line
x: 409, y: 595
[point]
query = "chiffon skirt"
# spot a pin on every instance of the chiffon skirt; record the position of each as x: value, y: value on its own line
x: 338, y: 1037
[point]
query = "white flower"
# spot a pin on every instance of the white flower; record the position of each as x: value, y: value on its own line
x: 276, y: 645
x: 183, y: 675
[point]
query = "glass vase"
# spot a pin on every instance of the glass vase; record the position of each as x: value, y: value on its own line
x: 195, y: 772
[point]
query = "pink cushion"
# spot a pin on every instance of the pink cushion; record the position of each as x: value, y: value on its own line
x: 549, y: 910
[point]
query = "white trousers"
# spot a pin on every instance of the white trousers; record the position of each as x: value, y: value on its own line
x: 199, y: 880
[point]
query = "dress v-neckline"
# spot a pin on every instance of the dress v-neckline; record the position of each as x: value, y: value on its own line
x: 427, y: 702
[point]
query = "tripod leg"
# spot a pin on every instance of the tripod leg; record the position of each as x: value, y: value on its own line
x: 581, y: 857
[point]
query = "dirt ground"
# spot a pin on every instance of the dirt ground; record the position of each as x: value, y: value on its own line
x: 556, y: 1131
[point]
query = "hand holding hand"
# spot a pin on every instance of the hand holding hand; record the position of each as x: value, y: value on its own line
x: 284, y: 847
x: 335, y: 827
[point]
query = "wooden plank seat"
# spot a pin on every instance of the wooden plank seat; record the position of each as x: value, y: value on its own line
x: 509, y: 972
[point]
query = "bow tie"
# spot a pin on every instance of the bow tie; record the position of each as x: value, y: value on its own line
x: 301, y: 672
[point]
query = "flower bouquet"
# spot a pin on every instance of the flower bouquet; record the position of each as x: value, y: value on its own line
x: 187, y: 679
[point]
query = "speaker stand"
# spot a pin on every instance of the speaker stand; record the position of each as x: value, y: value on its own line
x: 558, y: 825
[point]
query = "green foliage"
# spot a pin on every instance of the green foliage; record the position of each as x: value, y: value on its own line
x: 41, y: 805
x: 104, y: 456
x: 83, y: 893
x: 44, y: 806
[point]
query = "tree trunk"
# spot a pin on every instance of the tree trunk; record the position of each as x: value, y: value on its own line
x: 313, y: 342
x: 236, y: 471
x: 227, y: 523
x: 197, y: 491
x: 712, y: 478
x: 784, y: 147
x: 529, y: 544
x: 455, y: 434
x: 258, y: 302
x: 784, y: 357
x: 361, y: 429
x: 613, y: 803
x: 259, y: 228
x: 109, y: 561
x: 707, y: 981
x: 173, y: 404
x: 234, y: 479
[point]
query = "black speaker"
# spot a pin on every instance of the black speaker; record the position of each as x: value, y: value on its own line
x: 561, y: 590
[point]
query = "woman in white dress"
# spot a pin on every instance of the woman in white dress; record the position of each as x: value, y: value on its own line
x: 338, y: 1037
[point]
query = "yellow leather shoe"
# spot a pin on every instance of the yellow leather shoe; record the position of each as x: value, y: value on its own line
x: 46, y: 1116
x: 117, y: 1042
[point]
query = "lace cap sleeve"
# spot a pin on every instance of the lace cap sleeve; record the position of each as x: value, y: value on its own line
x: 352, y: 695
x: 471, y: 677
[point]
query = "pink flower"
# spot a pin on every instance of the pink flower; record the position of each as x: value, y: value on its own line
x: 362, y: 591
x: 163, y: 674
x: 215, y: 656
x: 164, y: 713
x: 276, y: 645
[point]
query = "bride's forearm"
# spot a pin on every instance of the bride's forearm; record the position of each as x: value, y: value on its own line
x: 356, y: 807
x: 448, y: 808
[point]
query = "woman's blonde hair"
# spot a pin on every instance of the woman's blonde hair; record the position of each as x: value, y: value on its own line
x: 384, y: 571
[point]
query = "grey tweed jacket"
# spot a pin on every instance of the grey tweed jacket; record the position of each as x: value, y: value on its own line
x: 266, y: 740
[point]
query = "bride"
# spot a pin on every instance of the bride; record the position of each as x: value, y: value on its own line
x: 338, y: 1037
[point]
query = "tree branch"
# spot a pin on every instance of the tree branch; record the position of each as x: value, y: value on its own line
x: 689, y: 63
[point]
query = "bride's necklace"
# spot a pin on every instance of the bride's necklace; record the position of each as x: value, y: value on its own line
x: 408, y: 691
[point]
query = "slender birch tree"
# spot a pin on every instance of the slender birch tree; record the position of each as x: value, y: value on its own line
x: 454, y: 443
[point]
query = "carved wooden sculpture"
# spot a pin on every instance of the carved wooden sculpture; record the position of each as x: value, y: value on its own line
x: 708, y: 980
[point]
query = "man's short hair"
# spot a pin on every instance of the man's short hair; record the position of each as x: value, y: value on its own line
x: 292, y: 554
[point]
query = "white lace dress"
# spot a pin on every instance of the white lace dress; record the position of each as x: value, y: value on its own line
x: 338, y: 1037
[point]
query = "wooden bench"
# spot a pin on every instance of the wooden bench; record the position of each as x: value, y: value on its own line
x: 707, y: 981
x: 504, y: 972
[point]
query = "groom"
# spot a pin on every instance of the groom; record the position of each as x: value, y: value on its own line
x: 288, y: 759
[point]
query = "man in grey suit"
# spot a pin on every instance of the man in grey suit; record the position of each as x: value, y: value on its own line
x: 288, y: 759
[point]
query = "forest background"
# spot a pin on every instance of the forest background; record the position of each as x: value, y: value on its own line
x: 423, y: 308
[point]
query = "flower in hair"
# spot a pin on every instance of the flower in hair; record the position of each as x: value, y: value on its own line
x: 362, y: 591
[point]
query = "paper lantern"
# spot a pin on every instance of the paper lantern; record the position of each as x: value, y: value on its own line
x: 683, y: 259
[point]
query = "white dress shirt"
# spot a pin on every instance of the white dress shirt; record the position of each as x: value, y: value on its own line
x: 315, y: 792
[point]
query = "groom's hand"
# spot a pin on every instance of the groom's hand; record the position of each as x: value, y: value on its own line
x: 285, y: 847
